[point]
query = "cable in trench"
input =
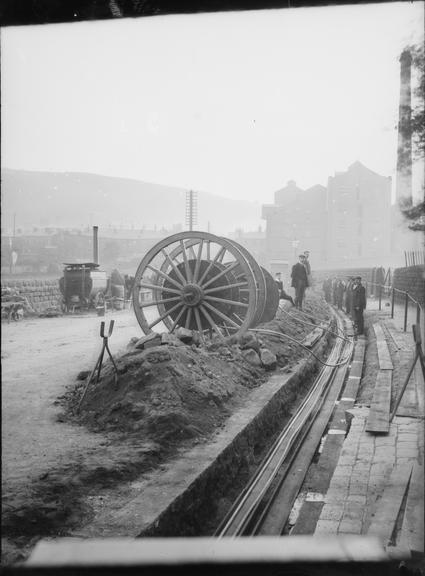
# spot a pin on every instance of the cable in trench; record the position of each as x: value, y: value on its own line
x: 282, y: 336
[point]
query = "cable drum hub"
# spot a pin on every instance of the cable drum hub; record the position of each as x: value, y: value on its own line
x: 192, y: 294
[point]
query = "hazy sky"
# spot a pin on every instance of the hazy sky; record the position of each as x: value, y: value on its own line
x: 231, y: 103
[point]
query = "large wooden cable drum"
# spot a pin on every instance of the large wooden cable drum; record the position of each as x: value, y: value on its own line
x: 201, y: 282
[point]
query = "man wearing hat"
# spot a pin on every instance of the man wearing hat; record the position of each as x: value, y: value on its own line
x: 299, y: 281
x: 358, y: 304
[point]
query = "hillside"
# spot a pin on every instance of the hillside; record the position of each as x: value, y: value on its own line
x: 72, y: 199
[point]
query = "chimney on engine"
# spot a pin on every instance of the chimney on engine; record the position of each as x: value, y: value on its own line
x: 95, y: 245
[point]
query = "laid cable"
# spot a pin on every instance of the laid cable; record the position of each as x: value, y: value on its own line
x: 282, y: 336
x: 337, y: 335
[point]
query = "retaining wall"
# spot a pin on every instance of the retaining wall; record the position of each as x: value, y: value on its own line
x: 41, y: 294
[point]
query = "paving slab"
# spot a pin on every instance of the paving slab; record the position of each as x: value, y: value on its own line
x: 387, y: 478
x: 379, y: 415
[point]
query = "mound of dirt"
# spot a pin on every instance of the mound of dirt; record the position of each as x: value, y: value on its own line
x: 174, y: 392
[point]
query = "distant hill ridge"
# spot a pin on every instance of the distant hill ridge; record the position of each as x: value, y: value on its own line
x: 74, y: 199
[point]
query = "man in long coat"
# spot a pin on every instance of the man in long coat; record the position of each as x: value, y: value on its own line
x: 358, y: 304
x: 349, y: 295
x: 299, y: 281
x: 308, y: 268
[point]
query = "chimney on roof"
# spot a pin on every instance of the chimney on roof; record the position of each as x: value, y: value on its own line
x: 404, y: 149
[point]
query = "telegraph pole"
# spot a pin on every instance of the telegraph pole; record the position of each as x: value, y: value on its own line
x: 191, y: 208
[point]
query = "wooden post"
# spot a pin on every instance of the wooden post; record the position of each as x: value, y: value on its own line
x: 418, y: 314
x: 392, y: 303
x: 406, y: 306
x: 380, y: 296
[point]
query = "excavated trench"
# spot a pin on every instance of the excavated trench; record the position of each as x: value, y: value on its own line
x: 198, y: 510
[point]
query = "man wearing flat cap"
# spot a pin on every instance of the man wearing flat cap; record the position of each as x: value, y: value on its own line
x: 358, y: 304
x: 299, y: 281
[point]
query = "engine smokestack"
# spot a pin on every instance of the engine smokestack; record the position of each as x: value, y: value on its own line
x: 95, y: 246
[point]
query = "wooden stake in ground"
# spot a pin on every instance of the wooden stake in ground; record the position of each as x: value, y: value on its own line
x: 98, y: 365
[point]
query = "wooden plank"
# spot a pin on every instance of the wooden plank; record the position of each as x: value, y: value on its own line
x: 383, y: 351
x: 379, y: 414
x: 388, y: 507
x: 412, y: 530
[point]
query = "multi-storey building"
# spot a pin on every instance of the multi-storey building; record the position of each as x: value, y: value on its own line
x: 295, y: 222
x: 345, y: 224
x: 359, y: 218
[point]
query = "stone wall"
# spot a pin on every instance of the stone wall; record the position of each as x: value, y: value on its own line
x: 412, y: 280
x: 41, y: 294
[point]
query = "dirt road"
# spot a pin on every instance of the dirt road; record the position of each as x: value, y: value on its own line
x: 40, y: 357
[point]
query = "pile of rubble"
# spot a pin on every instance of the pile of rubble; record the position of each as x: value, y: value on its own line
x: 172, y: 387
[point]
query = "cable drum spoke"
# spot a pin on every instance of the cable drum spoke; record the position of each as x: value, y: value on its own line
x: 222, y: 316
x: 160, y: 288
x: 217, y: 256
x: 163, y: 275
x: 157, y: 302
x: 174, y: 267
x: 226, y: 301
x: 225, y: 271
x: 218, y: 288
x: 163, y: 316
x: 210, y: 320
x: 199, y: 324
x: 179, y: 315
x: 198, y: 261
x: 188, y: 318
x: 185, y: 260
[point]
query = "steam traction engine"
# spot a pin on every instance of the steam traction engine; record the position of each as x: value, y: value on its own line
x: 82, y: 285
x: 202, y: 282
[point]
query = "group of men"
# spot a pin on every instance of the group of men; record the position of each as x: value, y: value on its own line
x: 355, y: 298
x: 301, y: 279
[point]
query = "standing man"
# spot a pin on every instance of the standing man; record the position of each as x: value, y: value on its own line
x: 340, y: 293
x: 358, y: 304
x: 327, y: 289
x: 299, y: 281
x: 307, y: 267
x: 349, y: 295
